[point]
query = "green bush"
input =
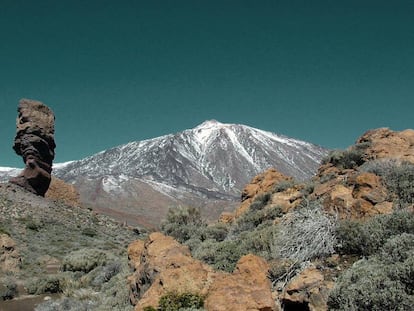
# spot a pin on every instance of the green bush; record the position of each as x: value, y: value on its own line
x: 47, y: 284
x: 174, y: 301
x: 283, y: 185
x: 90, y: 232
x: 8, y: 288
x: 251, y: 219
x: 381, y: 282
x: 221, y: 255
x: 64, y: 304
x: 398, y: 178
x: 106, y: 273
x: 346, y: 159
x: 366, y: 238
x: 183, y: 223
x: 217, y: 232
x: 83, y: 260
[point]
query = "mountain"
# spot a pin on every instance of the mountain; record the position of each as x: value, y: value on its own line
x: 206, y: 166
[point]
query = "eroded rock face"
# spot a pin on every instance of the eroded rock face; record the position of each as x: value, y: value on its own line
x: 9, y: 256
x: 163, y: 265
x: 35, y: 142
x: 259, y: 185
x: 307, y: 290
x: 62, y: 191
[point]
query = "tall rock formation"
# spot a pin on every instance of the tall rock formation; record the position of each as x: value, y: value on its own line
x: 35, y: 142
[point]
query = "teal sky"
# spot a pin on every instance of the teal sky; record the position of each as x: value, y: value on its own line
x: 119, y: 71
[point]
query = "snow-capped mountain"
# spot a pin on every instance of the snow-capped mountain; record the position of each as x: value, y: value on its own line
x: 209, y: 163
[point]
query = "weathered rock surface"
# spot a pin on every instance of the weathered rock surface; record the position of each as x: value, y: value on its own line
x: 163, y: 265
x: 247, y: 288
x: 260, y: 184
x: 34, y: 141
x: 10, y: 260
x: 385, y: 143
x: 62, y: 191
x: 307, y: 290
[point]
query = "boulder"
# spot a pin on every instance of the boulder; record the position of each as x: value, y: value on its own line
x: 35, y: 142
x: 247, y: 288
x: 385, y: 143
x: 62, y: 191
x: 307, y: 291
x: 10, y: 260
x: 260, y: 184
x: 162, y: 265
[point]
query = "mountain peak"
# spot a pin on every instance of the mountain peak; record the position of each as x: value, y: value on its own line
x: 210, y: 123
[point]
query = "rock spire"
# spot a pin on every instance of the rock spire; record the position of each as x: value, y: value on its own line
x: 35, y: 142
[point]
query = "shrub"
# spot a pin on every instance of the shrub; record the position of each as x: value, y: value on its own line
x: 260, y: 202
x: 8, y: 288
x: 251, y: 219
x: 3, y: 230
x: 183, y: 223
x: 65, y: 304
x: 90, y: 232
x: 221, y: 255
x: 305, y: 234
x: 217, y: 232
x: 346, y: 159
x: 283, y: 185
x: 47, y: 284
x: 106, y: 273
x: 174, y: 301
x: 398, y: 178
x: 381, y: 282
x: 366, y: 238
x: 83, y: 260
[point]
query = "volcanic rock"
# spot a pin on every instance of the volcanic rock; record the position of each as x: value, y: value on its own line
x: 385, y: 143
x: 260, y: 184
x: 163, y: 265
x: 35, y: 142
x: 62, y: 191
x: 9, y: 256
x: 307, y: 290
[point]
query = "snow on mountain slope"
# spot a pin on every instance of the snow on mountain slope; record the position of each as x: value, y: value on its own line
x: 208, y: 164
x: 213, y: 157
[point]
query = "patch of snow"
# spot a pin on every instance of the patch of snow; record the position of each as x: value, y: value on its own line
x: 62, y: 164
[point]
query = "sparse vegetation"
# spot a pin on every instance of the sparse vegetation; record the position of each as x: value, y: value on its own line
x: 173, y: 301
x: 346, y: 159
x: 66, y: 250
x: 382, y: 282
x: 305, y: 234
x: 8, y: 288
x: 366, y: 238
x: 183, y: 223
x: 83, y: 260
x: 397, y: 176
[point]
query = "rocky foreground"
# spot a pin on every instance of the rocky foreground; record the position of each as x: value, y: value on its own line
x: 342, y: 240
x: 361, y: 199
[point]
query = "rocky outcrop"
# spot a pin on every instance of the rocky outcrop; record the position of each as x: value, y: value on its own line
x: 260, y: 184
x: 35, y: 142
x: 307, y: 291
x: 62, y: 191
x: 355, y: 195
x: 10, y: 260
x: 162, y: 265
x: 385, y: 143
